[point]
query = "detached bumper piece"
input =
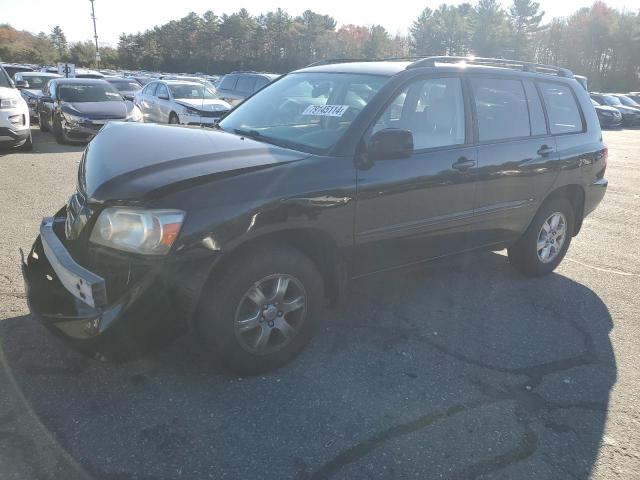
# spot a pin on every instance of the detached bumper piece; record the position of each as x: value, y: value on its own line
x: 116, y: 312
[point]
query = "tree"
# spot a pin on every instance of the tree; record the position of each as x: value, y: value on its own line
x: 59, y: 42
x: 489, y: 29
x: 524, y: 17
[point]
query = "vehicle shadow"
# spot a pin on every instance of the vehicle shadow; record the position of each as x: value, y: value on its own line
x: 463, y: 369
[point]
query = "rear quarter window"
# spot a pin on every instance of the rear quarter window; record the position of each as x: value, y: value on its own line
x: 562, y: 109
x: 245, y: 84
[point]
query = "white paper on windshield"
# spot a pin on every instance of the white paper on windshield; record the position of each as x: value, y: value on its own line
x: 326, y: 110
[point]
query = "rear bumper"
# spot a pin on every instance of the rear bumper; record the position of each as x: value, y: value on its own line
x: 594, y: 194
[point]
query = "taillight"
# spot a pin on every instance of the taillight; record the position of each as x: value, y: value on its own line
x: 604, y: 155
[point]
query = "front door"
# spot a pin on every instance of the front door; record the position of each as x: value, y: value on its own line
x: 421, y: 207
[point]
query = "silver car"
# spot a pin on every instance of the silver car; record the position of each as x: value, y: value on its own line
x: 180, y: 102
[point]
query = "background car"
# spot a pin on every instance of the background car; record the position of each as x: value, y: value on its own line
x: 609, y: 117
x: 127, y: 87
x: 630, y: 115
x: 179, y: 102
x: 15, y: 129
x: 30, y: 85
x: 77, y: 108
x: 11, y: 69
x: 635, y: 96
x: 626, y: 100
x: 236, y: 86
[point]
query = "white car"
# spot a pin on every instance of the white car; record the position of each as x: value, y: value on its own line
x: 180, y: 102
x: 15, y: 129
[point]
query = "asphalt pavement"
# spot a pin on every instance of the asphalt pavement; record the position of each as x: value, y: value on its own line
x: 462, y: 369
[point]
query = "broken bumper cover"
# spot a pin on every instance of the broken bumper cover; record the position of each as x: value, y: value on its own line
x: 77, y: 303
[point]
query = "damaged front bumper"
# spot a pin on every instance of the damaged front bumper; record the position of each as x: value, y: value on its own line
x: 118, y: 301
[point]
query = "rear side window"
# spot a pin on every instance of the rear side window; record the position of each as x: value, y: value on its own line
x: 562, y: 109
x: 162, y: 90
x: 245, y: 84
x: 228, y: 82
x: 502, y: 108
x: 536, y: 113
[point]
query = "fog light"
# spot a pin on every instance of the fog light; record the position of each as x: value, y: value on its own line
x: 17, y: 120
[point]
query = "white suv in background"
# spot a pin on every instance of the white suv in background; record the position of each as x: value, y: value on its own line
x: 15, y: 128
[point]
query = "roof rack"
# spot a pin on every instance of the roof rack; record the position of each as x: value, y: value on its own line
x: 494, y: 62
x: 330, y: 61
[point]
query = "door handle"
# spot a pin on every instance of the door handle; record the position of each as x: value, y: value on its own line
x: 545, y: 151
x: 463, y: 164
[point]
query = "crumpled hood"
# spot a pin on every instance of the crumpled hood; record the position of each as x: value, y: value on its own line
x: 605, y: 108
x: 211, y: 105
x: 98, y: 109
x: 138, y: 161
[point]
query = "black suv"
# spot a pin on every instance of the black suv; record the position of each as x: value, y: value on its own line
x: 333, y: 172
x: 236, y: 86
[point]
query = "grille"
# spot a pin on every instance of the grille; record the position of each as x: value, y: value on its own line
x: 78, y: 214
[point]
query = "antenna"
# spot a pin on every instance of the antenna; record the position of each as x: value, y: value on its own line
x: 95, y: 34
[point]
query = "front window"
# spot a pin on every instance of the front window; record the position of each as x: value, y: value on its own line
x: 88, y: 93
x: 307, y: 111
x: 190, y: 91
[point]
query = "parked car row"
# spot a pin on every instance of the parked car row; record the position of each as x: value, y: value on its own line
x: 616, y: 110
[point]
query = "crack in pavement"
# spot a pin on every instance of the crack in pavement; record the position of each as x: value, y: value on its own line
x: 528, y: 405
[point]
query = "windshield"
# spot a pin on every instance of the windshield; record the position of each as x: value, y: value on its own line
x: 37, y: 83
x: 627, y: 101
x: 125, y: 85
x: 307, y: 111
x: 190, y: 91
x: 611, y: 100
x: 89, y: 93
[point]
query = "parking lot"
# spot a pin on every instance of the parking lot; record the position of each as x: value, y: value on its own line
x: 462, y: 369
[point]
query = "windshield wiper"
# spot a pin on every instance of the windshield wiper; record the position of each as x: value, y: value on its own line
x: 253, y: 134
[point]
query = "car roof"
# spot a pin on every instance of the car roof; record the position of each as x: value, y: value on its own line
x: 181, y: 82
x: 393, y: 67
x: 80, y: 81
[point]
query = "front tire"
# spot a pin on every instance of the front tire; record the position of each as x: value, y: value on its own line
x: 173, y: 119
x: 543, y: 246
x: 43, y: 123
x: 57, y: 130
x: 262, y: 311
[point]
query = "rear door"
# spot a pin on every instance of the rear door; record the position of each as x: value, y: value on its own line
x: 226, y: 89
x: 421, y: 207
x: 147, y: 100
x: 515, y: 150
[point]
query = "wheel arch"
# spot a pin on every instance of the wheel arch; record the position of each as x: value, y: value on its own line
x: 315, y: 243
x: 574, y: 193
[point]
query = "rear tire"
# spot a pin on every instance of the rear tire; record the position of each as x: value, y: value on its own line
x: 42, y: 123
x: 543, y: 246
x: 242, y: 307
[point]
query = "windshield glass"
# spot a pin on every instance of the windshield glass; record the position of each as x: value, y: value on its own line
x: 125, y: 85
x: 96, y: 92
x: 37, y: 83
x: 191, y: 91
x: 627, y: 101
x: 308, y: 111
x: 611, y: 100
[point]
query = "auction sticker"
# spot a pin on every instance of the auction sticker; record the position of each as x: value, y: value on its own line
x: 326, y: 110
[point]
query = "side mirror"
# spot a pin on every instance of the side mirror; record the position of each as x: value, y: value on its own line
x: 390, y: 143
x: 22, y: 84
x: 163, y: 97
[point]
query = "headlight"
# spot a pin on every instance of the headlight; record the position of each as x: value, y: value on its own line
x: 148, y: 232
x: 135, y: 115
x: 8, y: 103
x: 71, y: 118
x: 191, y: 111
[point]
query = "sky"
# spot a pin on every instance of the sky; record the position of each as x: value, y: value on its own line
x: 130, y: 16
